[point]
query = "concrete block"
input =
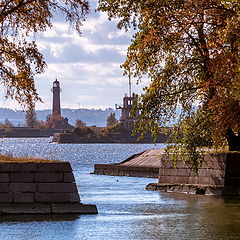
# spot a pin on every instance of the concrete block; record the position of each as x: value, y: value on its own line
x: 56, y: 187
x: 214, y: 161
x: 74, y: 197
x: 182, y: 172
x: 10, y: 167
x: 153, y: 175
x: 218, y: 181
x: 166, y: 164
x: 22, y: 187
x: 215, y: 157
x: 212, y: 181
x: 25, y: 208
x: 151, y: 187
x: 205, y: 181
x: 54, y: 167
x: 205, y: 172
x: 169, y: 171
x: 211, y: 191
x: 217, y: 173
x: 173, y: 171
x: 181, y: 179
x: 217, y: 165
x: 192, y: 173
x: 46, y: 208
x: 6, y: 197
x: 165, y: 179
x: 4, y: 177
x: 21, y: 177
x: 185, y: 189
x: 29, y: 167
x: 74, y: 208
x: 4, y: 187
x: 52, y: 197
x: 174, y: 188
x: 192, y: 190
x: 182, y: 164
x: 23, y: 197
x: 48, y: 177
x: 68, y: 177
x: 192, y: 180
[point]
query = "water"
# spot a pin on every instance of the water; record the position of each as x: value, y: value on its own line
x: 126, y: 209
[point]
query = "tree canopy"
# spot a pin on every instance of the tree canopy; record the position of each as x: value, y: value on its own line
x: 111, y: 120
x: 20, y: 59
x: 7, y: 125
x: 190, y: 51
x: 80, y: 123
x: 31, y: 118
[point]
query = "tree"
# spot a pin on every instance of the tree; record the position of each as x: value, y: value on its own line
x: 7, y: 125
x: 190, y: 51
x: 31, y: 118
x: 56, y: 122
x: 83, y: 131
x: 20, y: 59
x: 80, y: 123
x: 111, y: 120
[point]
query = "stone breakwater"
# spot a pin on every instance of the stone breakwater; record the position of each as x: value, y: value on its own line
x: 144, y: 164
x: 42, y: 187
x: 219, y: 173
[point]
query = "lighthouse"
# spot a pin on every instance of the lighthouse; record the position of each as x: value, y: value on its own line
x: 56, y: 110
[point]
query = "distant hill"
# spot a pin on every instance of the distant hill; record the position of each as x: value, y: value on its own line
x: 96, y: 117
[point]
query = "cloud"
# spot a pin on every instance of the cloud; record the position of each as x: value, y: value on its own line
x: 87, y: 66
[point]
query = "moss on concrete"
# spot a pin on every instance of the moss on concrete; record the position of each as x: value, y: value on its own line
x: 11, y: 159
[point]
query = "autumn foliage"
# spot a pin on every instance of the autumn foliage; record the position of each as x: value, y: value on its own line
x: 190, y: 51
x: 20, y: 59
x: 56, y: 122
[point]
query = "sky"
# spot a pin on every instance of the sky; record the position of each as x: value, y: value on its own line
x: 87, y: 66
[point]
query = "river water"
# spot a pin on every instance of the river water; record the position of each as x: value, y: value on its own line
x: 126, y: 209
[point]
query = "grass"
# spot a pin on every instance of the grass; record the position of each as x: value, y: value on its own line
x: 11, y: 159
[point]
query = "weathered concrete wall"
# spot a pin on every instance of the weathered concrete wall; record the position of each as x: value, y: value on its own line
x: 219, y: 174
x: 211, y: 172
x: 129, y: 171
x: 37, y: 182
x: 144, y: 164
x: 40, y: 188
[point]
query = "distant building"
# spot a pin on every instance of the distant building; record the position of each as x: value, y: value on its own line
x: 126, y: 119
x: 56, y: 110
x: 57, y: 121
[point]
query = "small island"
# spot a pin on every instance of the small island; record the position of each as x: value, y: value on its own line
x: 113, y: 134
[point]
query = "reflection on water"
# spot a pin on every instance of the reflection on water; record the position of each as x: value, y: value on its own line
x: 191, y: 217
x: 126, y: 209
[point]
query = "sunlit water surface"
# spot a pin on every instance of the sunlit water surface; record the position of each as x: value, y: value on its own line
x: 126, y: 209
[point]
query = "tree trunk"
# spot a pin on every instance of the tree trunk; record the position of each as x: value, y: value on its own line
x: 233, y: 140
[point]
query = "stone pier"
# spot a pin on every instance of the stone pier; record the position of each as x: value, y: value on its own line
x: 219, y: 174
x: 40, y: 188
x: 144, y: 164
